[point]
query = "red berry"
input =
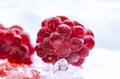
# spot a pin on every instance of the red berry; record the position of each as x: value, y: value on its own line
x: 89, y: 41
x: 64, y: 30
x: 15, y: 45
x: 60, y: 38
x: 78, y: 31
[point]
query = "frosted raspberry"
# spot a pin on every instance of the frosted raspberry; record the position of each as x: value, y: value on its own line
x: 15, y: 45
x: 62, y: 38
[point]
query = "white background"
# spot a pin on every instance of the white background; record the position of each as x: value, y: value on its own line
x: 101, y: 16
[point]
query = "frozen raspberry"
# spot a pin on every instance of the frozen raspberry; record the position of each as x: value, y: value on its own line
x: 61, y: 38
x: 15, y: 45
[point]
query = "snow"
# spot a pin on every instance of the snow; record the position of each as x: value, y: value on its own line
x: 100, y: 64
x: 102, y: 16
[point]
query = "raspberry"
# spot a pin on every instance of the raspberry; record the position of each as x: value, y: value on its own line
x: 61, y: 38
x: 15, y: 45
